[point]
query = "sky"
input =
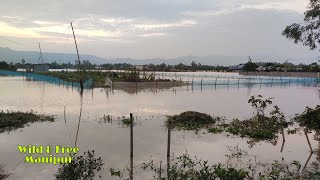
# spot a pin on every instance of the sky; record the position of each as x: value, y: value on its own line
x: 154, y: 28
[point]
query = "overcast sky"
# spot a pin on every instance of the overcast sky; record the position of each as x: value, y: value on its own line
x: 154, y: 28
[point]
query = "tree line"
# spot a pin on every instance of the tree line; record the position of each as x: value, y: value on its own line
x: 248, y: 67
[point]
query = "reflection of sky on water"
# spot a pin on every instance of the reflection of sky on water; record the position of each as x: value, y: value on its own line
x: 112, y: 141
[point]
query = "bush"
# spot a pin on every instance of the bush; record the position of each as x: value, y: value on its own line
x: 183, y: 167
x: 310, y: 118
x: 81, y: 167
x: 191, y: 120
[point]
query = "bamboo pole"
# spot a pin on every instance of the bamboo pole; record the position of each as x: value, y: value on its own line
x: 188, y: 85
x: 131, y: 146
x: 192, y: 84
x: 283, y: 137
x: 306, y: 133
x: 40, y: 53
x: 80, y: 68
x: 168, y: 148
x: 160, y: 170
x: 64, y: 115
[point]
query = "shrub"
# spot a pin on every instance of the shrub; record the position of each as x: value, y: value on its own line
x: 81, y: 167
x: 310, y: 118
x: 191, y: 120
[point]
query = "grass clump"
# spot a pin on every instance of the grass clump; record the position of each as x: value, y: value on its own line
x: 184, y: 167
x: 11, y: 120
x: 215, y: 130
x: 81, y: 167
x: 191, y: 120
x: 127, y: 121
x: 310, y: 118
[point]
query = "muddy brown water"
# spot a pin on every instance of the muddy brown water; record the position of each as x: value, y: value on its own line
x: 111, y: 141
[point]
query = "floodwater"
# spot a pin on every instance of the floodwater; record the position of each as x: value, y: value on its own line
x: 150, y: 107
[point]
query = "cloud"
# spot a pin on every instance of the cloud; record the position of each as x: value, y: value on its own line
x: 231, y: 6
x: 153, y: 34
x: 8, y: 30
x: 151, y: 26
x: 146, y: 28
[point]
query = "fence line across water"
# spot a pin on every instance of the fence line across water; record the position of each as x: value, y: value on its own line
x: 52, y: 80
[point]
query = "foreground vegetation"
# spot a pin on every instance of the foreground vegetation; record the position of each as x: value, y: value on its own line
x: 11, y: 120
x: 83, y: 167
x: 185, y: 167
x: 3, y: 173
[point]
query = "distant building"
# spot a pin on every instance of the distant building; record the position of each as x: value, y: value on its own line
x: 37, y: 68
x: 141, y: 67
x: 237, y: 67
x: 261, y: 68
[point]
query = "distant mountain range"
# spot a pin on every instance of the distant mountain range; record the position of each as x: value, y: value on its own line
x: 10, y: 55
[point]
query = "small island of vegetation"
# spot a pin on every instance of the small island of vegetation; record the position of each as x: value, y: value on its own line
x: 12, y: 120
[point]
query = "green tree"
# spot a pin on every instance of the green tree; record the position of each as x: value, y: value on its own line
x: 306, y: 32
x: 250, y: 66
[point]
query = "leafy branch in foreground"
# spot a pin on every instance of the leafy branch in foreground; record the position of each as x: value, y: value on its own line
x: 184, y: 167
x: 306, y: 32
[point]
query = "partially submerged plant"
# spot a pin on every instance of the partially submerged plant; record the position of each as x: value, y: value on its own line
x: 215, y: 130
x: 282, y: 170
x: 260, y: 126
x: 191, y: 120
x: 117, y: 173
x: 310, y: 118
x: 184, y: 167
x: 11, y: 120
x: 260, y: 104
x: 81, y: 167
x: 127, y: 121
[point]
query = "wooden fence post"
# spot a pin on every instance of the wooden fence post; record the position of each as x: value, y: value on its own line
x: 306, y: 134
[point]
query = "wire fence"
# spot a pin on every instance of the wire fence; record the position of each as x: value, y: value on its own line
x: 49, y: 79
x: 216, y: 78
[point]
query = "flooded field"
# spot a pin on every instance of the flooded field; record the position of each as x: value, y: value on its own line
x: 150, y: 107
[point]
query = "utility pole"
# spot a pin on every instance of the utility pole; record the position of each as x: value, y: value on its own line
x: 40, y: 54
x: 80, y: 69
